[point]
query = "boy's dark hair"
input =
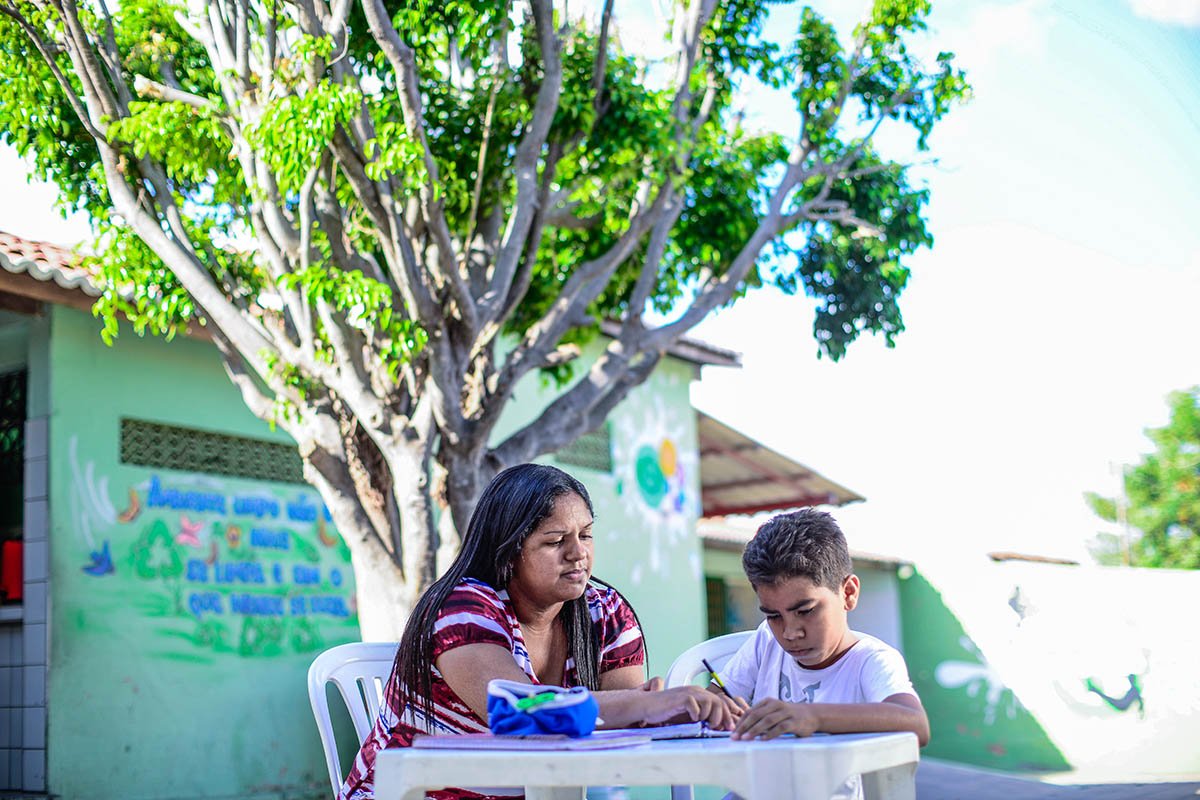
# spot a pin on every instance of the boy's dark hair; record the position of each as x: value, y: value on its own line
x: 803, y: 544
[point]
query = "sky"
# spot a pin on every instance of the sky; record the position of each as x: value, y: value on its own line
x: 1053, y: 314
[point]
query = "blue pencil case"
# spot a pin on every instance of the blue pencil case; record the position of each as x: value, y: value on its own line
x: 523, y: 709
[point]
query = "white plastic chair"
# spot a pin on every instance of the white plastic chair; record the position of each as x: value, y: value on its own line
x: 717, y: 651
x: 359, y: 670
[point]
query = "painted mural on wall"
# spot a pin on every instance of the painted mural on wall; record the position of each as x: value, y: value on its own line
x: 223, y: 566
x: 978, y: 678
x: 657, y: 474
x: 1063, y: 667
x: 975, y: 715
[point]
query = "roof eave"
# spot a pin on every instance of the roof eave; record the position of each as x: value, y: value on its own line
x: 691, y: 350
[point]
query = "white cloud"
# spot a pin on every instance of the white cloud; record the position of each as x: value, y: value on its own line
x: 1169, y: 12
x: 996, y: 32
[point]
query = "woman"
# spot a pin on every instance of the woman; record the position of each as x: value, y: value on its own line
x: 518, y: 603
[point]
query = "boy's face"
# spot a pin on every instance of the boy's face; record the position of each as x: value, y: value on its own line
x: 809, y: 621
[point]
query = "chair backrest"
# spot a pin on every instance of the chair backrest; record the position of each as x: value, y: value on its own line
x: 717, y: 651
x: 359, y: 670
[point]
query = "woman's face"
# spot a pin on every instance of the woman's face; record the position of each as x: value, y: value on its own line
x: 556, y: 559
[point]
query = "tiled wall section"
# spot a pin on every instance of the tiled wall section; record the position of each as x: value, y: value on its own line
x: 23, y: 634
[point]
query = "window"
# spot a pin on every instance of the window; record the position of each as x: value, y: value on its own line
x: 718, y: 617
x: 13, y: 398
x: 590, y: 451
x: 150, y: 444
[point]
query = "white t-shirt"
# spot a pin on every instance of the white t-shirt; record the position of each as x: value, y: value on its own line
x: 869, y: 672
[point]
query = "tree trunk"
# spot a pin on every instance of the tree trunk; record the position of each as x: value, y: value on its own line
x: 465, y: 480
x: 384, y: 598
x: 393, y: 555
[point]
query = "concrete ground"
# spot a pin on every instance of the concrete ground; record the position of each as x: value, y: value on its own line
x: 941, y: 780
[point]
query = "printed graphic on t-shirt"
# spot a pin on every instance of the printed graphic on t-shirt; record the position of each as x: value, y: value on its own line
x: 806, y: 694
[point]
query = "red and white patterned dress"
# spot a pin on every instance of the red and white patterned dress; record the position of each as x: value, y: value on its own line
x: 475, y: 613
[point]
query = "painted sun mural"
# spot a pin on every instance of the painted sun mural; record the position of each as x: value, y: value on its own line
x: 656, y: 473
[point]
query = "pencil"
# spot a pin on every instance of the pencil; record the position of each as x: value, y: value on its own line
x: 716, y: 678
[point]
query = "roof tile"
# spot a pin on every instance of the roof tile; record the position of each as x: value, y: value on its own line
x: 45, y: 262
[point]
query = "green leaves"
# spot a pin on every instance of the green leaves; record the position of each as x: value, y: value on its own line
x: 820, y: 68
x: 1162, y: 495
x: 190, y: 143
x: 368, y: 306
x: 295, y: 129
x: 37, y: 119
x: 888, y: 80
x: 137, y: 286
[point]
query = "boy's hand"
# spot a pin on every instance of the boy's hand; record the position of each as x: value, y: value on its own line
x: 773, y: 718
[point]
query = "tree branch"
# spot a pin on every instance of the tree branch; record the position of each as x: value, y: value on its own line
x: 402, y: 60
x: 159, y: 91
x: 525, y: 166
x: 582, y: 407
x: 600, y: 70
x: 584, y: 285
x: 68, y: 90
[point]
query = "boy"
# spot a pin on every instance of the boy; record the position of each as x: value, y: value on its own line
x: 804, y: 670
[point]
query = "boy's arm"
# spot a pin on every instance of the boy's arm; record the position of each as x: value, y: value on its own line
x: 772, y: 718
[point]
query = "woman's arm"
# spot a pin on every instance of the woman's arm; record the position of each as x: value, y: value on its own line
x: 468, y: 669
x: 622, y: 700
x: 628, y: 701
x: 628, y: 708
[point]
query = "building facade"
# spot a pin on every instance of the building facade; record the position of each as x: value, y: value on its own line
x: 171, y: 577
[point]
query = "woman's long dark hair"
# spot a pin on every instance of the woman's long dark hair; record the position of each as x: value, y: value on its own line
x: 510, y: 508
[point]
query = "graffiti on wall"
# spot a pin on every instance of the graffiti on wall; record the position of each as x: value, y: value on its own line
x: 1095, y: 675
x: 1099, y: 670
x: 976, y: 677
x: 977, y: 714
x: 655, y: 475
x: 1083, y: 657
x: 1126, y: 701
x: 229, y: 567
x: 90, y: 510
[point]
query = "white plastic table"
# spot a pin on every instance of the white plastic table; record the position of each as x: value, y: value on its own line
x: 782, y: 769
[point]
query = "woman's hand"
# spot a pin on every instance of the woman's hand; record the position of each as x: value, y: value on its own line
x: 692, y: 704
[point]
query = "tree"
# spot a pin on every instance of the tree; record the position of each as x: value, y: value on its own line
x: 1162, y: 496
x: 359, y: 202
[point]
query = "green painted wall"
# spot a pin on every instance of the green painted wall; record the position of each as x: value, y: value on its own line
x: 723, y: 564
x: 186, y: 606
x: 14, y: 341
x: 647, y: 507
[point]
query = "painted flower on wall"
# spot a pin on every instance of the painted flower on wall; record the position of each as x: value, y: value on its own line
x: 656, y: 475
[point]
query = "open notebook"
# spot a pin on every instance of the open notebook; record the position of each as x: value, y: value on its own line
x: 621, y: 737
x: 600, y: 740
x: 685, y: 730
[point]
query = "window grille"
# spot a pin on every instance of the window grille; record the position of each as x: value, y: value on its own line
x: 150, y: 444
x: 590, y: 451
x: 716, y: 595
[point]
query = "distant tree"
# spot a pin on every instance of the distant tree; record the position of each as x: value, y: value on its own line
x: 361, y: 200
x: 1162, y: 503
